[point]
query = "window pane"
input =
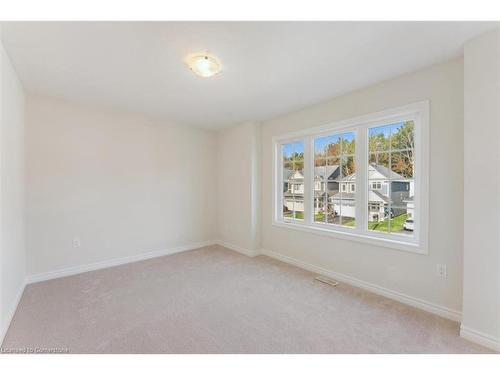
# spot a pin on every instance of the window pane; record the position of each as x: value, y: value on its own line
x: 348, y: 144
x: 400, y: 191
x: 402, y: 136
x: 288, y: 206
x: 298, y: 162
x: 319, y: 176
x: 377, y: 217
x: 319, y: 161
x: 408, y: 225
x: 299, y: 166
x: 402, y: 164
x: 348, y: 167
x: 298, y: 206
x: 320, y: 146
x: 293, y: 180
x: 332, y: 215
x: 334, y: 200
x: 391, y: 172
x: 288, y: 201
x: 327, y: 146
x: 332, y: 171
x: 398, y: 221
x: 297, y: 179
x: 379, y: 138
x: 378, y: 205
x: 286, y: 188
x: 287, y: 152
x: 378, y: 165
x: 287, y: 171
x: 401, y: 202
x: 298, y: 151
x: 348, y: 210
x: 335, y: 165
x: 320, y: 206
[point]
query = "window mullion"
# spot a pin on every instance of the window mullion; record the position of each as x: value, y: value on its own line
x: 308, y: 180
x: 361, y: 180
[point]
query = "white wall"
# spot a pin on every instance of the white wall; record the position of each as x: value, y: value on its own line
x: 481, y: 296
x: 407, y: 273
x: 122, y: 183
x: 12, y: 251
x: 238, y: 187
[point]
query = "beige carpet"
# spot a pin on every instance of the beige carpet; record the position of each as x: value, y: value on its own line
x: 213, y: 300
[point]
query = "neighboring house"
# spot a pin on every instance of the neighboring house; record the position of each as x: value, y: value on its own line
x: 325, y: 181
x: 341, y: 192
x: 294, y: 186
x: 410, y: 208
x: 293, y: 190
x: 378, y: 194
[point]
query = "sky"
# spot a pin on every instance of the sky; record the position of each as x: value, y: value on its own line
x: 386, y: 130
x: 321, y: 142
x: 291, y: 148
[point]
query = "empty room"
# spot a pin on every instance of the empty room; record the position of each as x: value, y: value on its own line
x: 232, y: 187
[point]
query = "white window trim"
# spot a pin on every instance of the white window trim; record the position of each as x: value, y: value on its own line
x: 419, y: 113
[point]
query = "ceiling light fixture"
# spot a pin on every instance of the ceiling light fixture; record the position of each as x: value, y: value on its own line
x: 203, y: 64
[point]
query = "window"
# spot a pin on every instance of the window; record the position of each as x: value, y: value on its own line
x: 292, y: 199
x: 391, y: 153
x: 333, y: 164
x: 363, y: 179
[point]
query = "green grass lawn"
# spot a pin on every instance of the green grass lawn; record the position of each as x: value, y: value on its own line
x: 348, y: 222
x: 383, y: 226
x: 300, y: 215
x: 320, y: 216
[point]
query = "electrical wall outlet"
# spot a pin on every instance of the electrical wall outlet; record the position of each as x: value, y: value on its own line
x: 441, y: 270
x: 76, y: 242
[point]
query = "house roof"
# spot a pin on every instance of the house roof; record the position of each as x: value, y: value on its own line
x: 319, y: 194
x: 325, y: 171
x: 319, y: 172
x: 386, y: 172
x: 374, y: 169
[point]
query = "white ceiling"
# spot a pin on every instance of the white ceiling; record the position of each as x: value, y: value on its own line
x: 269, y: 68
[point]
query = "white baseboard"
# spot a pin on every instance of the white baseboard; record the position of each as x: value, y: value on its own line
x: 12, y: 311
x: 400, y: 297
x: 480, y: 338
x: 239, y: 249
x: 112, y: 262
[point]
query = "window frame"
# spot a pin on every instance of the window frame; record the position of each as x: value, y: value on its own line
x: 418, y: 243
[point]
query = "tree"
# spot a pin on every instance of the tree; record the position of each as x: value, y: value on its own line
x: 399, y: 147
x: 403, y: 144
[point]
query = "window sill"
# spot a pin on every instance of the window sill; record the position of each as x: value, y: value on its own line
x: 350, y: 235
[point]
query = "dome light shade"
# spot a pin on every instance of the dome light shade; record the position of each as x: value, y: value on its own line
x: 203, y: 64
